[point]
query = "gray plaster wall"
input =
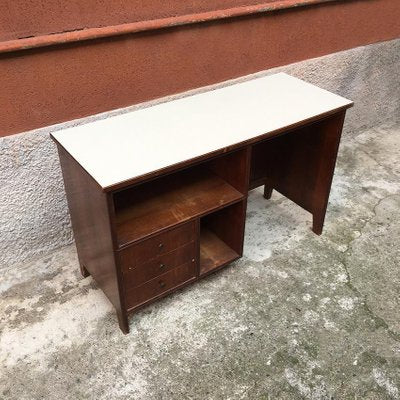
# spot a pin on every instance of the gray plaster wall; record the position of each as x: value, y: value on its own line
x: 34, y: 215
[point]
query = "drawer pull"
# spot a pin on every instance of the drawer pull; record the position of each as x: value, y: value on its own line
x: 162, y: 266
x: 193, y: 260
x: 162, y: 284
x: 161, y: 246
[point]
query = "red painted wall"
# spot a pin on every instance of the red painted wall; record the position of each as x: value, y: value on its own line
x: 22, y: 18
x: 39, y: 87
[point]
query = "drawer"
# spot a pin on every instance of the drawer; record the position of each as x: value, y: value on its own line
x: 166, y: 242
x: 162, y: 284
x: 136, y: 275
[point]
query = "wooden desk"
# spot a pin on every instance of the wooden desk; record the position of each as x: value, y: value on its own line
x: 158, y: 196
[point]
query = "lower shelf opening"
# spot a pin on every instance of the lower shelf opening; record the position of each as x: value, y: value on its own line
x: 221, y: 237
x: 214, y: 252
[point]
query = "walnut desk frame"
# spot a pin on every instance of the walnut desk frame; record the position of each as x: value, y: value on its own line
x: 158, y: 196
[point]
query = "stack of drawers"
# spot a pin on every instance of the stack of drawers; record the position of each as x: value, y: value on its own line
x: 155, y: 266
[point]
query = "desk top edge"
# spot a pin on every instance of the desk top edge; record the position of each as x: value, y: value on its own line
x: 61, y: 137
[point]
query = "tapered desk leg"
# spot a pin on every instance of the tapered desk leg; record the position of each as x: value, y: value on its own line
x: 325, y: 169
x: 267, y: 192
x: 84, y: 271
x: 123, y: 321
x: 318, y: 223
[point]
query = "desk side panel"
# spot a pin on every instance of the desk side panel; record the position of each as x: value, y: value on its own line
x: 300, y: 165
x: 89, y: 210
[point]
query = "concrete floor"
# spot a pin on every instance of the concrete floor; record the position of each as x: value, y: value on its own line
x: 300, y: 316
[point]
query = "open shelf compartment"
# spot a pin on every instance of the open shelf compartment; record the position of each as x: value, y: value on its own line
x: 147, y: 208
x: 221, y: 237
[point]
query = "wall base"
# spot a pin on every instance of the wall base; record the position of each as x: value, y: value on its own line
x: 34, y: 216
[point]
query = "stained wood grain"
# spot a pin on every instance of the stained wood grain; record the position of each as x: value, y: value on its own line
x: 136, y: 275
x: 89, y: 208
x: 160, y: 285
x: 300, y: 165
x: 148, y: 208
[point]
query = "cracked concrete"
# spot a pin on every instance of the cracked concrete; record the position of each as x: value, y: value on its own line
x: 299, y: 316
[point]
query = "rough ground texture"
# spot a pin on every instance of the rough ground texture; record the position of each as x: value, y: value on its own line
x: 299, y: 316
x: 33, y: 211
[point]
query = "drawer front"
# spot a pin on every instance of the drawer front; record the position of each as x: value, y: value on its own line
x: 157, y: 286
x: 166, y: 242
x: 136, y: 275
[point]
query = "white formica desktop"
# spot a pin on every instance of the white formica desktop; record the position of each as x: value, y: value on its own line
x: 144, y: 141
x: 157, y: 196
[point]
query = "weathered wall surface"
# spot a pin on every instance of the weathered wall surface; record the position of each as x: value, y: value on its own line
x: 48, y: 85
x: 19, y: 19
x: 33, y: 211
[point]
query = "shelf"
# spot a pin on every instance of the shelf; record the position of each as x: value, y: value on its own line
x: 214, y: 252
x: 161, y: 203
